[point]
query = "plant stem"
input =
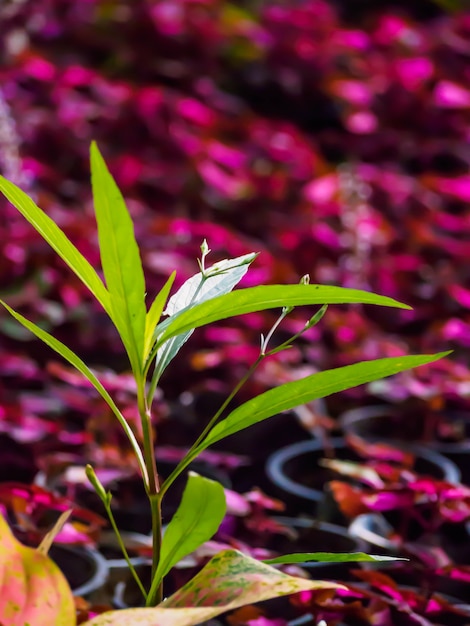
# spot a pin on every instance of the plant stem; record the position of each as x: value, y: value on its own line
x: 153, y: 485
x: 227, y: 401
x: 267, y: 339
x: 155, y: 504
x: 191, y: 452
x: 124, y: 550
x: 149, y: 454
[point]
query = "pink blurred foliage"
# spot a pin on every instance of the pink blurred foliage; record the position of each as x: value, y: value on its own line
x: 32, y: 510
x: 382, y: 601
x: 334, y: 147
x: 430, y: 501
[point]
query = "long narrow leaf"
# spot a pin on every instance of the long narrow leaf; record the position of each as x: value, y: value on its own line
x: 330, y: 557
x: 58, y: 241
x: 83, y: 368
x: 197, y: 519
x: 155, y: 312
x: 120, y: 259
x: 261, y: 298
x: 320, y: 385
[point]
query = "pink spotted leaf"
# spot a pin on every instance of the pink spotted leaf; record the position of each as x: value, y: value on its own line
x: 230, y: 580
x: 33, y: 590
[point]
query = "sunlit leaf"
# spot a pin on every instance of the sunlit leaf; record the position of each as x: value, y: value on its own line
x: 197, y: 519
x: 331, y: 557
x: 230, y: 580
x: 217, y: 280
x: 320, y: 385
x: 33, y: 590
x: 120, y: 259
x: 261, y: 298
x: 58, y: 241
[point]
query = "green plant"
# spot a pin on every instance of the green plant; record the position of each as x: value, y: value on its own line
x: 230, y: 579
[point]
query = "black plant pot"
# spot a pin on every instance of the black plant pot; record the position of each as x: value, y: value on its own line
x: 384, y: 422
x: 299, y: 480
x: 16, y: 460
x: 84, y: 568
x: 125, y: 592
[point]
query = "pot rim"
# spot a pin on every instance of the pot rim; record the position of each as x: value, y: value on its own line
x: 349, y: 418
x: 276, y: 462
x: 100, y: 575
x: 362, y: 527
x: 108, y: 539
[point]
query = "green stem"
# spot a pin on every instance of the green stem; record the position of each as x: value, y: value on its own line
x: 193, y: 451
x: 226, y: 402
x: 153, y: 483
x: 155, y: 597
x: 149, y: 454
x: 124, y: 550
x: 284, y: 314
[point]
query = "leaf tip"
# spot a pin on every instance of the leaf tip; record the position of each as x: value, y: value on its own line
x: 95, y: 154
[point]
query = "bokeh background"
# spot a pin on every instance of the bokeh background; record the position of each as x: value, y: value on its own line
x: 330, y: 136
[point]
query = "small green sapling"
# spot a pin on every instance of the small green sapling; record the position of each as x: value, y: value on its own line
x: 230, y: 579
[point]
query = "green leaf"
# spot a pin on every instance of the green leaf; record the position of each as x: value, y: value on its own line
x: 261, y: 298
x: 197, y: 519
x: 330, y: 557
x: 217, y: 280
x: 83, y: 368
x: 230, y: 580
x: 154, y: 314
x: 120, y: 259
x: 320, y: 385
x: 220, y: 278
x: 58, y: 241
